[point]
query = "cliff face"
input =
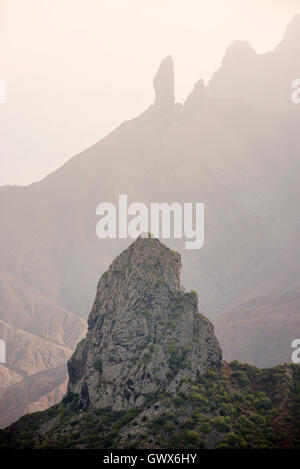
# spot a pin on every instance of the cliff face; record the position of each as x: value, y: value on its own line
x: 145, y: 334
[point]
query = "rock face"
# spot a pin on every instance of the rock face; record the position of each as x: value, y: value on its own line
x: 163, y: 83
x: 145, y: 334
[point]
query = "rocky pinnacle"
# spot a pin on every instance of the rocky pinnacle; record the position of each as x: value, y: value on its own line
x: 145, y: 334
x: 164, y: 85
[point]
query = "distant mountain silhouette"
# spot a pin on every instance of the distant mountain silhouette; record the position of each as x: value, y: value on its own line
x: 262, y: 80
x: 223, y: 148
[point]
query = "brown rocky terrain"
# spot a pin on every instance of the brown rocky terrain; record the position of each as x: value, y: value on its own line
x: 34, y: 392
x: 34, y: 376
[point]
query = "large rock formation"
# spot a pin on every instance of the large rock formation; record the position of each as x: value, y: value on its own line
x: 145, y: 334
x: 163, y: 83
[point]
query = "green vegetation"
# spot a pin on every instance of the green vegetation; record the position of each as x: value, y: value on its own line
x: 98, y: 366
x: 239, y: 407
x: 146, y: 314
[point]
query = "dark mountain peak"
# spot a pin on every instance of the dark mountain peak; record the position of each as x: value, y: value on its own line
x: 143, y: 331
x: 163, y: 83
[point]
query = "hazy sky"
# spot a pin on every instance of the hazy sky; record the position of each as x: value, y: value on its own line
x: 75, y: 69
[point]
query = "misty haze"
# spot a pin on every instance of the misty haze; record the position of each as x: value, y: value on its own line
x: 232, y: 144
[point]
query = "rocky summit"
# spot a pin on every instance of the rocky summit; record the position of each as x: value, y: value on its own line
x: 145, y: 334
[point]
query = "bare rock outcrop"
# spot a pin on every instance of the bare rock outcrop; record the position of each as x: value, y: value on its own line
x: 145, y: 334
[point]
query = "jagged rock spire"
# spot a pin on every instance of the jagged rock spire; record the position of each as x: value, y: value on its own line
x: 164, y: 85
x: 145, y: 334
